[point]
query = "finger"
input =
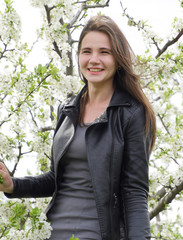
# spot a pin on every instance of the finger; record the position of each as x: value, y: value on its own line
x: 3, y: 167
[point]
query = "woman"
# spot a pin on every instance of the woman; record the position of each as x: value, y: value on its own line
x: 99, y: 169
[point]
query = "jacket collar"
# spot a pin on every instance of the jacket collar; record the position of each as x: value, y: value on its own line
x: 119, y: 98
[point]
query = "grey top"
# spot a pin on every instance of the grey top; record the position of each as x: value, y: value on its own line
x: 74, y: 211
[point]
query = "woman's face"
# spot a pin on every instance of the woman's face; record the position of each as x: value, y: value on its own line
x: 96, y: 61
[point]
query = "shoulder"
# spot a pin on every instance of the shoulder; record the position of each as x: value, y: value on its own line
x: 134, y: 112
x: 135, y: 106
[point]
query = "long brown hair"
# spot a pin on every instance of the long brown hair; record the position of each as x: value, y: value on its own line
x: 125, y: 76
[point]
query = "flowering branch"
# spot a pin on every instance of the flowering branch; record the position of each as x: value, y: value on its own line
x: 168, y: 44
x: 97, y: 5
x: 18, y: 157
x: 166, y: 128
x: 25, y: 99
x: 141, y: 26
x: 2, y: 53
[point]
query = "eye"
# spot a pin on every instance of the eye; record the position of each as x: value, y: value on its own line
x: 85, y: 51
x: 105, y: 52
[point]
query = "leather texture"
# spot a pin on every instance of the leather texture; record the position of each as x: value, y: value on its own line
x: 118, y: 155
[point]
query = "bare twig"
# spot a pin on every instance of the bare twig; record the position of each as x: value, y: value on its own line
x: 47, y: 156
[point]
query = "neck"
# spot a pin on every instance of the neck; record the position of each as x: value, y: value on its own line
x: 99, y: 96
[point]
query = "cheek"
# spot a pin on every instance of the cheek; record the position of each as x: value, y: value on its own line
x: 81, y: 61
x: 82, y: 65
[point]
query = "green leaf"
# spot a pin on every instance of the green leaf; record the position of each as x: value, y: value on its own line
x: 1, y: 179
x: 74, y: 238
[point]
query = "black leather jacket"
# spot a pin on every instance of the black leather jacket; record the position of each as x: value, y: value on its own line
x: 117, y: 151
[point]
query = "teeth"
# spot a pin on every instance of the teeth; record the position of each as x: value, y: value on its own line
x: 95, y: 70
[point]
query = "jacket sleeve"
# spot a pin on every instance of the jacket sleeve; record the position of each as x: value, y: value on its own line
x: 36, y: 186
x: 134, y: 184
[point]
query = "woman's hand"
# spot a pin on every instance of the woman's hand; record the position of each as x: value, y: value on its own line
x: 6, y: 183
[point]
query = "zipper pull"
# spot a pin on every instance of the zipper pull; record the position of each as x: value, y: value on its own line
x: 115, y: 200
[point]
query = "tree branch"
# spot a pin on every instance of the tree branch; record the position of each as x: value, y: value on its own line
x: 97, y: 5
x: 2, y: 53
x: 44, y: 129
x: 160, y: 194
x: 166, y: 128
x: 51, y: 113
x: 75, y: 18
x: 20, y: 154
x: 166, y: 200
x: 33, y: 119
x: 48, y: 10
x: 48, y: 15
x: 169, y: 43
x: 56, y: 48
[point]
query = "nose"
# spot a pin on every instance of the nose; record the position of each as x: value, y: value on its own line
x: 94, y: 58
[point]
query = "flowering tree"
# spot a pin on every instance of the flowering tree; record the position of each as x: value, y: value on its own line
x: 29, y: 100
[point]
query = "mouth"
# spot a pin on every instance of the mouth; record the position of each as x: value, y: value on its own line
x: 95, y: 69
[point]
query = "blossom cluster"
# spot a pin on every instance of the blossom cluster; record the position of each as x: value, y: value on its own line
x: 10, y: 24
x: 24, y: 219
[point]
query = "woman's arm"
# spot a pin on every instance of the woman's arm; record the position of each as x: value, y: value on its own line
x: 29, y: 186
x: 39, y: 186
x: 134, y: 185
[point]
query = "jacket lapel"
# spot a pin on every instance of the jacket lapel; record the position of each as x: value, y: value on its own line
x: 62, y: 139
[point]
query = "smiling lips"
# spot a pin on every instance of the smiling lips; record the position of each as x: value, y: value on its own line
x: 95, y: 69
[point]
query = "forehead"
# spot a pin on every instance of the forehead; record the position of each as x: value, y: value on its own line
x: 96, y: 39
